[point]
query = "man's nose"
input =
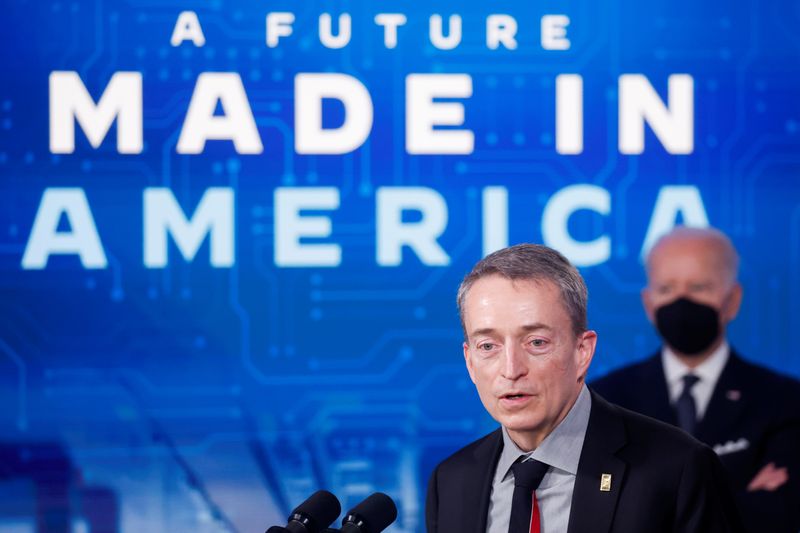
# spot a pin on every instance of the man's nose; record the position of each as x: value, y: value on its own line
x: 514, y: 365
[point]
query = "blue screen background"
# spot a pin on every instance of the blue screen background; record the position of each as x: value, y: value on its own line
x: 195, y: 398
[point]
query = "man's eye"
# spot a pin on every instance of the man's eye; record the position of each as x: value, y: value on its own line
x: 485, y: 346
x: 538, y: 343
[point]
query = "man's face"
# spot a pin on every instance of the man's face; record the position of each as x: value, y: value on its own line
x: 694, y: 268
x: 523, y: 356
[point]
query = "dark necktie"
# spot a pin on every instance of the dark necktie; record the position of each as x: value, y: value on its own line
x: 685, y: 407
x: 524, y: 507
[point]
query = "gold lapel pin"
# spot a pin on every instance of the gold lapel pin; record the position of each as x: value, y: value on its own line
x: 605, y: 483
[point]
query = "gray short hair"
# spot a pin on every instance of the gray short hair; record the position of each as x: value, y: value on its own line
x: 532, y: 262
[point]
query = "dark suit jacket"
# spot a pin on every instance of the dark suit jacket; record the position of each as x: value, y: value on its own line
x: 753, y: 419
x: 662, y: 481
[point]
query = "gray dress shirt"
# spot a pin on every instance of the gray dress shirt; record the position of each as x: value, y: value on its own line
x: 561, y: 449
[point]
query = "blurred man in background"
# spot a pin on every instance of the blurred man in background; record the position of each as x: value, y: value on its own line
x: 749, y: 415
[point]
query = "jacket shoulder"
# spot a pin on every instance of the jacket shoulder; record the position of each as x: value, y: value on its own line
x: 765, y: 386
x: 459, y: 487
x: 668, y: 435
x: 475, y: 453
x: 612, y: 385
x: 648, y: 437
x: 763, y: 376
x: 637, y: 438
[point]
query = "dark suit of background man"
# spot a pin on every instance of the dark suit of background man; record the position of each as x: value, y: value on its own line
x: 749, y: 415
x: 564, y: 459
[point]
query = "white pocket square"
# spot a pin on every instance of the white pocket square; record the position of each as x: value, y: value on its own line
x: 732, y: 446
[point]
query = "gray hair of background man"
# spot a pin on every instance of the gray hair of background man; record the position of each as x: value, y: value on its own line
x: 728, y: 256
x: 532, y: 262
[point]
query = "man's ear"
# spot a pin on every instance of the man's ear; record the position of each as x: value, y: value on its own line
x: 587, y: 342
x: 731, y: 308
x: 468, y: 361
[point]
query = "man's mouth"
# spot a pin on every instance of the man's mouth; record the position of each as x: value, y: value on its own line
x: 514, y: 397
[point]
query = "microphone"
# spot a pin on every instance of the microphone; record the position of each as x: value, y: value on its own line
x: 373, y: 515
x: 313, y: 515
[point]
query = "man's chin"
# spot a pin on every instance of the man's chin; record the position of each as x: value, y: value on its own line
x: 520, y: 425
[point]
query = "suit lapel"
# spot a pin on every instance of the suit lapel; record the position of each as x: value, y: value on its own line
x: 726, y: 404
x: 477, y: 484
x: 593, y: 509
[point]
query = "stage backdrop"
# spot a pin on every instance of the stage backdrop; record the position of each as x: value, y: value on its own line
x: 231, y: 232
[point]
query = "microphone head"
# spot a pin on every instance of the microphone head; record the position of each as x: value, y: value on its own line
x: 318, y: 511
x: 373, y: 515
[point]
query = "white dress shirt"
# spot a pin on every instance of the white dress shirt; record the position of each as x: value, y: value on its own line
x: 708, y: 371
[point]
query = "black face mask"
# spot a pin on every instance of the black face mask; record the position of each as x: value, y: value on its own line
x: 688, y: 326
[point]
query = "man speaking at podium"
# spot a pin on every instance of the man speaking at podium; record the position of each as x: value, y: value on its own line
x: 564, y: 459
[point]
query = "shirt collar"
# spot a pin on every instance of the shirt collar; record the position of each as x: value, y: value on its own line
x: 561, y: 448
x: 708, y: 371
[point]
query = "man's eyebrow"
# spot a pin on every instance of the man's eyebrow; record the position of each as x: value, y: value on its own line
x: 536, y: 326
x: 483, y: 331
x: 527, y: 328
